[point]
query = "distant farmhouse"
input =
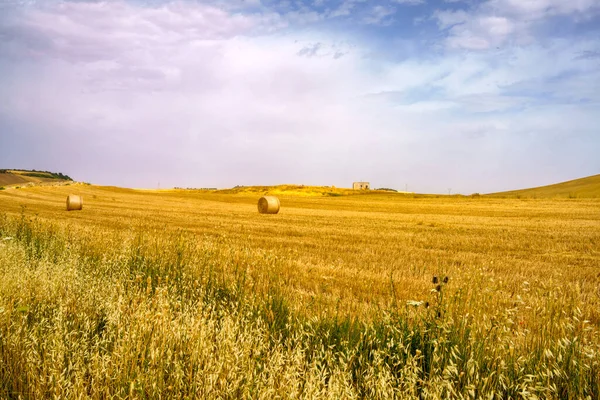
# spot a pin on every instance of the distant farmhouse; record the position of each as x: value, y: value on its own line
x: 361, y: 186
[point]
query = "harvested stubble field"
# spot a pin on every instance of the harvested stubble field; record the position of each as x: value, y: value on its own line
x: 190, y: 294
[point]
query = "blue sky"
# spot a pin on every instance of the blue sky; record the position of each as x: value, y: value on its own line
x: 473, y: 96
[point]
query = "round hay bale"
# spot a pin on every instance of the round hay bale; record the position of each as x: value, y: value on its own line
x: 268, y: 205
x: 74, y: 202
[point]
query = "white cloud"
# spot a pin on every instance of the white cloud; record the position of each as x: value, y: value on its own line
x: 410, y: 2
x: 378, y: 15
x: 498, y: 22
x: 537, y: 9
x: 343, y: 10
x: 446, y: 19
x: 194, y: 95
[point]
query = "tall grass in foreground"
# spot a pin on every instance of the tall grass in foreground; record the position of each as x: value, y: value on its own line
x: 151, y: 315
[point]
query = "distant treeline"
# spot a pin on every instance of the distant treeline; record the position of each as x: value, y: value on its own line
x: 388, y: 189
x: 39, y: 174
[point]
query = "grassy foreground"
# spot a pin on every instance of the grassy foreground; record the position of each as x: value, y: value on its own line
x: 196, y: 295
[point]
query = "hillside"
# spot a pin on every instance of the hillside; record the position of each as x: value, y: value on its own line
x: 298, y: 190
x: 14, y: 177
x: 578, y: 188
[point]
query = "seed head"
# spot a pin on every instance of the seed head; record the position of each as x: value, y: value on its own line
x: 445, y: 279
x: 435, y: 280
x: 438, y: 288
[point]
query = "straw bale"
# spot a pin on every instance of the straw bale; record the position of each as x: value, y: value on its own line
x: 268, y: 205
x: 74, y: 202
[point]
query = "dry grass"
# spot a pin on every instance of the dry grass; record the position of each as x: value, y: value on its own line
x: 140, y: 295
x: 588, y: 187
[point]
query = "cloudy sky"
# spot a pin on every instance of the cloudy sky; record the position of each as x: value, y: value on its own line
x: 472, y: 96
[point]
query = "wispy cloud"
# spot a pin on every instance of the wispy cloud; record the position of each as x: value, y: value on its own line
x: 215, y: 95
x: 344, y: 9
x: 410, y: 2
x: 498, y: 22
x: 588, y: 55
x: 379, y: 15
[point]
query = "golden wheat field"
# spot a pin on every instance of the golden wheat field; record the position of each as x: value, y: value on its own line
x: 194, y: 294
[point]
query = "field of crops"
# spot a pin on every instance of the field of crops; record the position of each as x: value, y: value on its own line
x: 191, y: 294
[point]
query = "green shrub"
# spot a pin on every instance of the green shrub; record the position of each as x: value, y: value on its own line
x: 48, y: 175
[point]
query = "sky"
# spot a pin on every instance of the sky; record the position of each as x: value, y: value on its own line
x: 433, y: 96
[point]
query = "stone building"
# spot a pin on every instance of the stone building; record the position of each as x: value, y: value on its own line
x: 361, y: 186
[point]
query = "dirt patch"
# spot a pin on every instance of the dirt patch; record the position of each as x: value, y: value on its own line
x: 11, y: 179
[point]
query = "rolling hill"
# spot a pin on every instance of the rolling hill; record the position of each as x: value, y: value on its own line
x: 578, y: 188
x: 15, y: 177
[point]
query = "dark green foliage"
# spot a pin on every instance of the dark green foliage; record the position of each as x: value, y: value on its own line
x: 51, y: 175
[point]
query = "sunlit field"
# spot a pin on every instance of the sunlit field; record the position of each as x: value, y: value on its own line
x: 192, y: 294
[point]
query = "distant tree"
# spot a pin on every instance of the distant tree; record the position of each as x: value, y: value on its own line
x: 60, y: 175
